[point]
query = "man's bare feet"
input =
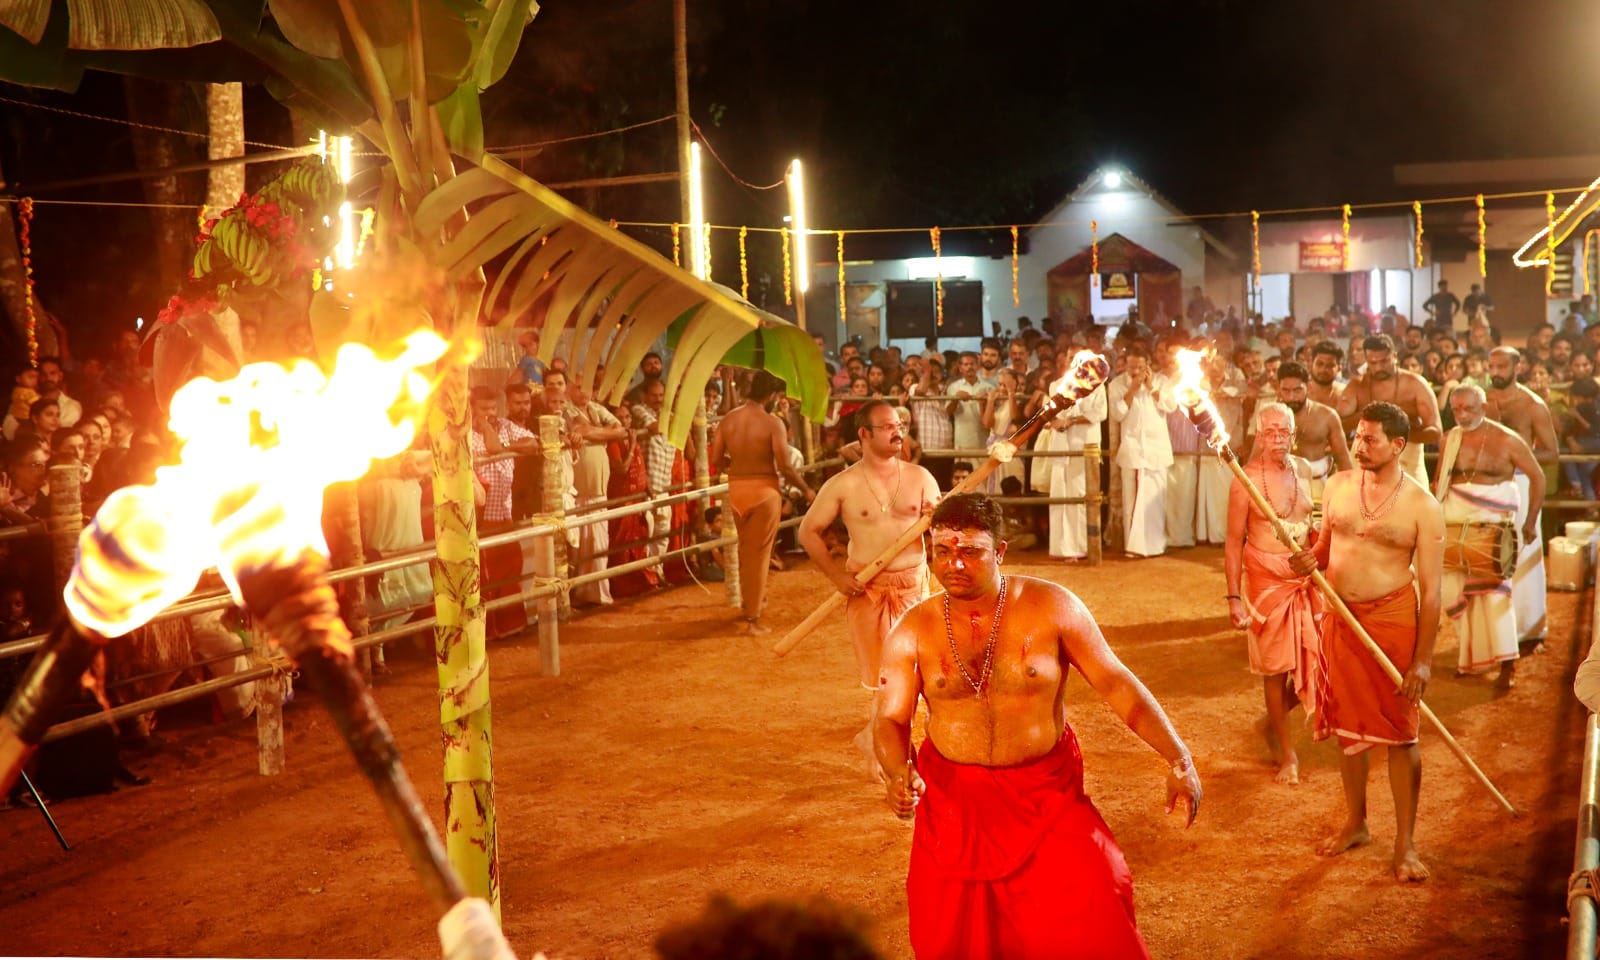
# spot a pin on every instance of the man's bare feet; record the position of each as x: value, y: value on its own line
x: 1408, y: 867
x: 1507, y: 678
x: 1288, y: 774
x: 1347, y: 838
x: 756, y: 628
x: 863, y: 742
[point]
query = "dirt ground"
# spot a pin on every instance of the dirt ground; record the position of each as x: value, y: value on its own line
x: 673, y: 758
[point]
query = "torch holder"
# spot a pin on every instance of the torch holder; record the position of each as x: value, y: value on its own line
x: 53, y: 679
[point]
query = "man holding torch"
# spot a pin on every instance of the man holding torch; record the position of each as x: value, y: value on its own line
x: 1277, y: 607
x: 878, y: 498
x: 1383, y: 549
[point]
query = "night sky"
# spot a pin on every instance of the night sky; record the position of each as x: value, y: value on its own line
x: 914, y: 114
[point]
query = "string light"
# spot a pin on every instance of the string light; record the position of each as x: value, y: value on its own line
x: 1483, y: 236
x: 840, y: 251
x: 744, y: 265
x: 1565, y: 218
x: 788, y: 271
x: 1094, y: 253
x: 1344, y: 251
x: 938, y: 279
x: 613, y: 222
x: 367, y: 217
x: 1016, y: 298
x: 677, y: 247
x: 1549, y: 243
x: 1416, y: 208
x: 1255, y: 245
x: 1586, y: 276
x: 29, y: 320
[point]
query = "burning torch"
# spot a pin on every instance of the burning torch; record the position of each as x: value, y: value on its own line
x: 1089, y: 371
x: 1202, y: 413
x: 246, y: 498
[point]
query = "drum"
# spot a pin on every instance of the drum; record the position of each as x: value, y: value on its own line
x: 1484, y: 551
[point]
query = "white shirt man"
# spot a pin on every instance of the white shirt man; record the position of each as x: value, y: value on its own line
x: 1142, y: 399
x: 1069, y: 522
x: 966, y: 413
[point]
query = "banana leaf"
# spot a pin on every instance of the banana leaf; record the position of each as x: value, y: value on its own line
x: 783, y: 350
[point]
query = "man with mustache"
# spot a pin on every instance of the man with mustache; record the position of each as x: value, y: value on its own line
x: 1384, y: 383
x: 1009, y: 858
x: 1276, y: 607
x: 1318, y: 435
x: 1326, y: 362
x: 1382, y: 547
x: 1476, y: 488
x: 1520, y: 409
x: 878, y: 499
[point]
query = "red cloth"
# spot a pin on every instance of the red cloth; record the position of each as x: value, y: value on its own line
x: 1359, y: 703
x: 500, y: 573
x: 1015, y: 862
x: 629, y: 533
x: 1284, y: 610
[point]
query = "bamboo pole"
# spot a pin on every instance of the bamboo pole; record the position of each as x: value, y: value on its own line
x: 1225, y: 453
x: 1091, y: 509
x: 66, y: 520
x: 553, y: 504
x: 270, y: 692
x: 1086, y: 377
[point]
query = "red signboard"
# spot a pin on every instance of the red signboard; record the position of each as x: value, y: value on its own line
x: 1321, y: 254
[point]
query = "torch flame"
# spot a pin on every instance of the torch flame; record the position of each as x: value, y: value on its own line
x: 258, y: 451
x: 1191, y: 392
x: 1088, y: 371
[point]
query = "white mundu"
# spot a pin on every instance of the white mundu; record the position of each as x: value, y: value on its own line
x: 1069, y: 527
x: 1144, y: 456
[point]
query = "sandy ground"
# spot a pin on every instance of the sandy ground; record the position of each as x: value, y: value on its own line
x: 673, y: 758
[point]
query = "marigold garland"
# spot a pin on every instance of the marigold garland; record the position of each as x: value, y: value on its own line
x: 677, y: 247
x: 1416, y: 208
x: 744, y: 265
x: 1549, y: 243
x: 1255, y: 246
x: 1586, y: 278
x: 1483, y: 250
x: 1344, y: 252
x: 788, y: 270
x: 1016, y: 299
x: 938, y: 279
x: 840, y: 250
x: 29, y: 320
x: 705, y: 248
x: 1094, y: 253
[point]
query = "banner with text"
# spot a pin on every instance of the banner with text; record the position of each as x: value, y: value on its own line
x: 1321, y: 254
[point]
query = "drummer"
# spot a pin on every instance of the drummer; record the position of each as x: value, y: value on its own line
x: 1481, y: 502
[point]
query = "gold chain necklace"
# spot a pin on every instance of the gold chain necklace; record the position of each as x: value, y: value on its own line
x: 899, y: 474
x: 988, y: 652
x: 1266, y: 489
x: 1385, y: 507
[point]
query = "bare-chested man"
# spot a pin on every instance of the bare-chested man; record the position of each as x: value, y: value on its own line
x: 1326, y: 362
x: 1277, y: 607
x: 1519, y: 408
x: 756, y: 446
x: 1318, y: 433
x: 1009, y: 857
x: 878, y: 499
x: 1384, y: 383
x: 1479, y: 494
x: 1381, y: 525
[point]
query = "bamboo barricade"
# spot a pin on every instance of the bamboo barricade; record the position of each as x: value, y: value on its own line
x: 1205, y: 422
x: 1088, y: 372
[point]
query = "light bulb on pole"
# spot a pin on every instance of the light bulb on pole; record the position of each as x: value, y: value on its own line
x: 802, y: 261
x: 699, y: 239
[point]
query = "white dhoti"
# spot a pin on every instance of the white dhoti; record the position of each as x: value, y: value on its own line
x: 1412, y: 463
x: 1527, y: 587
x: 1321, y: 468
x: 1144, y: 520
x: 1183, y: 493
x: 1211, y: 515
x: 594, y: 539
x: 1069, y: 522
x: 1480, y: 606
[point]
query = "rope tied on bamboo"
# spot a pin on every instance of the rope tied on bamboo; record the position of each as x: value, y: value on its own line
x: 1584, y: 884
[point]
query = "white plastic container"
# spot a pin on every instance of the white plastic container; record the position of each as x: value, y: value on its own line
x: 1567, y: 565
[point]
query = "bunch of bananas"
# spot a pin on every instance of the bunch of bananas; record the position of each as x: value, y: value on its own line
x: 311, y: 185
x: 234, y: 238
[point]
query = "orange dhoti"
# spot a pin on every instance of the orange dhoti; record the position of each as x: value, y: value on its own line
x: 872, y: 615
x: 757, y: 506
x: 1359, y: 703
x: 1283, y: 633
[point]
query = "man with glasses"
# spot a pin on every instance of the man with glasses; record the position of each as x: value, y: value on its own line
x: 22, y: 486
x: 878, y: 499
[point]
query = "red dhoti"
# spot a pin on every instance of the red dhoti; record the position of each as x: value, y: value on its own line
x: 1359, y: 703
x: 1282, y: 637
x: 500, y: 574
x: 1016, y: 863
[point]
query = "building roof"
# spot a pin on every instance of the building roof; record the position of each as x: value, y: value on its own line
x: 1095, y: 183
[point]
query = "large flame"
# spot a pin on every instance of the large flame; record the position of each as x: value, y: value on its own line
x: 1191, y: 392
x: 257, y: 453
x: 1088, y: 371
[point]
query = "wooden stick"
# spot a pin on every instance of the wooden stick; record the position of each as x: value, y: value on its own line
x: 1287, y: 539
x: 1086, y: 376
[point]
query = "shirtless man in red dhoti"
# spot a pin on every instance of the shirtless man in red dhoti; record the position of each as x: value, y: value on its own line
x: 1381, y: 526
x: 1009, y: 858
